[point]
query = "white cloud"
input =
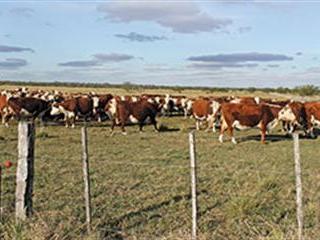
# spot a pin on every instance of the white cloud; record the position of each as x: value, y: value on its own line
x: 182, y: 17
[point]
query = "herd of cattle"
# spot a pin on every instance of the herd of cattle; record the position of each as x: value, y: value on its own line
x: 227, y: 112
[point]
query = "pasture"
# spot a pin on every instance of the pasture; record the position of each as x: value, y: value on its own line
x: 140, y: 184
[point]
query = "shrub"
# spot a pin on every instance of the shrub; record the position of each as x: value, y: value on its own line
x: 306, y: 90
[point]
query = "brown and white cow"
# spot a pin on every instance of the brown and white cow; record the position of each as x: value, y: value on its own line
x: 124, y: 112
x: 72, y: 108
x: 25, y: 108
x: 244, y: 116
x: 205, y: 110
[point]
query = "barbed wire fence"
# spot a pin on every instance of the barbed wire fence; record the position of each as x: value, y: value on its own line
x: 298, y: 173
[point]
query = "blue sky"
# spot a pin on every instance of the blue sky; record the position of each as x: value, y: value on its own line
x: 191, y: 43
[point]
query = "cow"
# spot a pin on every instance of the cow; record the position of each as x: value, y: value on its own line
x: 25, y: 108
x: 205, y: 110
x: 244, y: 116
x: 123, y: 112
x: 72, y: 108
x: 305, y: 115
x: 294, y: 115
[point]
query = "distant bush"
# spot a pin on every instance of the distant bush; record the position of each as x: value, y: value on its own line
x: 307, y: 90
x: 282, y: 90
x: 251, y: 89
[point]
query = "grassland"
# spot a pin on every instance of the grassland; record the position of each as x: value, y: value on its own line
x: 141, y: 190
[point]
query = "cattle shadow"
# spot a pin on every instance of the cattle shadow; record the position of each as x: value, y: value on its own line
x: 272, y: 138
x: 114, y: 230
x: 164, y: 128
x: 316, y: 132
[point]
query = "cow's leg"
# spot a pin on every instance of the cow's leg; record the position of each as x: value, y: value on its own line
x: 140, y: 126
x: 123, y: 130
x: 185, y: 113
x: 309, y: 128
x: 73, y: 121
x: 224, y: 127
x: 41, y: 118
x: 197, y: 124
x: 233, y: 139
x: 5, y: 119
x: 66, y: 121
x: 291, y: 128
x: 211, y: 124
x: 285, y: 126
x: 263, y: 134
x: 311, y: 132
x: 154, y: 123
x: 113, y: 124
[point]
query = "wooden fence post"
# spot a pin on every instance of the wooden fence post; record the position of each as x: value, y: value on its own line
x: 298, y: 185
x: 25, y: 170
x: 192, y: 148
x: 86, y: 176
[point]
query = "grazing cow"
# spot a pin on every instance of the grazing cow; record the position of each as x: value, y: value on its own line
x: 123, y: 112
x: 205, y: 110
x: 286, y: 125
x: 306, y: 115
x: 72, y: 108
x: 244, y: 116
x: 294, y: 115
x: 25, y: 108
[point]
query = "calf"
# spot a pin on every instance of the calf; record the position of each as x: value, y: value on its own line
x: 123, y: 112
x: 73, y: 107
x: 244, y: 116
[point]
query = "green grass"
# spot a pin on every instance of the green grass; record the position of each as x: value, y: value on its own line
x: 141, y: 185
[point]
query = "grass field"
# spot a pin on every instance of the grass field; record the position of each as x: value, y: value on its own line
x: 141, y: 185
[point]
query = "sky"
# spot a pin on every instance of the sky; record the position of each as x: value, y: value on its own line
x: 244, y: 43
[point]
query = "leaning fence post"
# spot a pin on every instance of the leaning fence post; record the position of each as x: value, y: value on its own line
x: 193, y: 184
x: 86, y: 177
x: 25, y: 170
x: 298, y: 185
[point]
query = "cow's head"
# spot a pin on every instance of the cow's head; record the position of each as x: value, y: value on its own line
x: 95, y: 100
x: 55, y: 109
x: 293, y: 112
x: 286, y: 114
x: 111, y: 108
